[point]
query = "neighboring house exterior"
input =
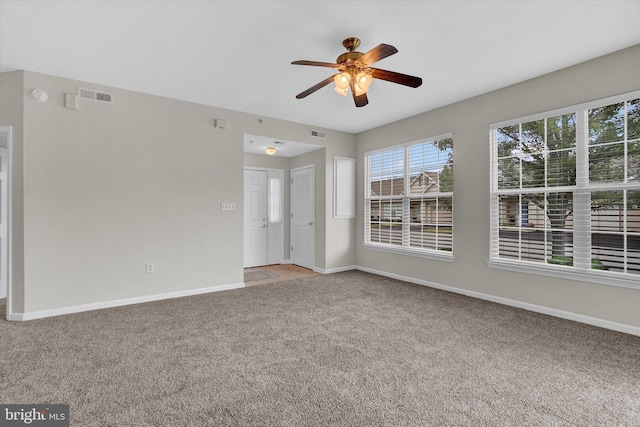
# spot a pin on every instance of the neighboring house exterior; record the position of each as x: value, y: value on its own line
x: 424, y: 210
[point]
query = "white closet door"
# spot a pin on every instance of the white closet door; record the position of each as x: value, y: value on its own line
x: 303, y: 217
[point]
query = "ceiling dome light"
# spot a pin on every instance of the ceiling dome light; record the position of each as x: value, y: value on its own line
x: 270, y: 150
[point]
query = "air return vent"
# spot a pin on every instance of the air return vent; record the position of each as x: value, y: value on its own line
x: 317, y: 134
x: 93, y: 95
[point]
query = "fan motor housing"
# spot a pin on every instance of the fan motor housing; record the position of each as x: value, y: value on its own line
x: 348, y: 56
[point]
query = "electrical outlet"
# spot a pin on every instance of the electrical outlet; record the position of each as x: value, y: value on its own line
x: 403, y: 261
x: 149, y: 267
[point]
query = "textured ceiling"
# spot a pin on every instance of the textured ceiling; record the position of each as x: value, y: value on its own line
x: 237, y: 54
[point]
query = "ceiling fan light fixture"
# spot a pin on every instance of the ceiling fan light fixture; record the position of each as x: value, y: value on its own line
x: 353, y: 71
x: 363, y: 81
x: 342, y: 92
x: 270, y: 150
x: 342, y: 83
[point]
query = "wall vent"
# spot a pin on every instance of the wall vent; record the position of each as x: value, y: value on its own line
x: 93, y: 95
x: 317, y: 134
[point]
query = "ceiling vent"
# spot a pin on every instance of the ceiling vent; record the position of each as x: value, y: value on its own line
x: 317, y: 134
x: 93, y: 95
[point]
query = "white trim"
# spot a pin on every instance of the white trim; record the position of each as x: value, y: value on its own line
x: 8, y: 130
x: 121, y: 302
x: 594, y: 321
x: 344, y: 187
x: 334, y: 270
x: 401, y: 250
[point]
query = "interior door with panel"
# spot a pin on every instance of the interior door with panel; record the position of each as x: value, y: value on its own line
x: 303, y: 217
x: 255, y: 218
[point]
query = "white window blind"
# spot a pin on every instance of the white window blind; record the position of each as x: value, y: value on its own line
x: 409, y: 197
x: 566, y: 188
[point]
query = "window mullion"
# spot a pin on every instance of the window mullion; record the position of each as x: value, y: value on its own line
x: 582, y: 196
x: 406, y: 201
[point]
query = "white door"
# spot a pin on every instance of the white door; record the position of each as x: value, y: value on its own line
x: 255, y: 218
x: 5, y: 135
x: 303, y: 217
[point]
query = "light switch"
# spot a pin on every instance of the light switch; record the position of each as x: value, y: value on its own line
x: 227, y: 206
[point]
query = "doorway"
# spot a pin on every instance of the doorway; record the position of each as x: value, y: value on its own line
x: 303, y: 216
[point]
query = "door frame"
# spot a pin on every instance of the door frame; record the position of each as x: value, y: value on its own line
x: 292, y: 232
x: 8, y: 131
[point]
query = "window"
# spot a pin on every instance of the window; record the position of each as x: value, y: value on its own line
x: 409, y: 198
x: 566, y: 191
x: 276, y: 198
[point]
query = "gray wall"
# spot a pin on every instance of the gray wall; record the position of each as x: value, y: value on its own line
x: 110, y: 187
x: 101, y: 191
x: 469, y: 122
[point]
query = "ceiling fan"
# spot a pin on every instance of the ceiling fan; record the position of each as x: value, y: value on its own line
x: 355, y: 73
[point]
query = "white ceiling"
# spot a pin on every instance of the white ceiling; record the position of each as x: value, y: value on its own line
x: 237, y: 54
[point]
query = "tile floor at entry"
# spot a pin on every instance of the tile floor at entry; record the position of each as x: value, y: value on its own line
x: 274, y: 273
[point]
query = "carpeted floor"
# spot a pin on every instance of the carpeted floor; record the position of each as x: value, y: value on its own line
x: 346, y: 349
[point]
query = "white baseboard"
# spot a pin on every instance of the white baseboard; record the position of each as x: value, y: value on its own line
x: 334, y: 270
x: 120, y: 302
x: 594, y: 321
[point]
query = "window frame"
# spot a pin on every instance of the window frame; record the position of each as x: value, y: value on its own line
x: 406, y: 197
x: 582, y: 189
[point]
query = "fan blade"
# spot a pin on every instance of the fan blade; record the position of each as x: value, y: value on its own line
x: 315, y: 87
x: 360, y: 100
x: 316, y: 63
x: 392, y: 76
x: 377, y: 53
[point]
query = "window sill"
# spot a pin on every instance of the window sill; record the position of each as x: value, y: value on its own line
x: 569, y: 273
x: 411, y: 252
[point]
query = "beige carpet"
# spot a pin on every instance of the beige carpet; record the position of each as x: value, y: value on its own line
x: 347, y: 349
